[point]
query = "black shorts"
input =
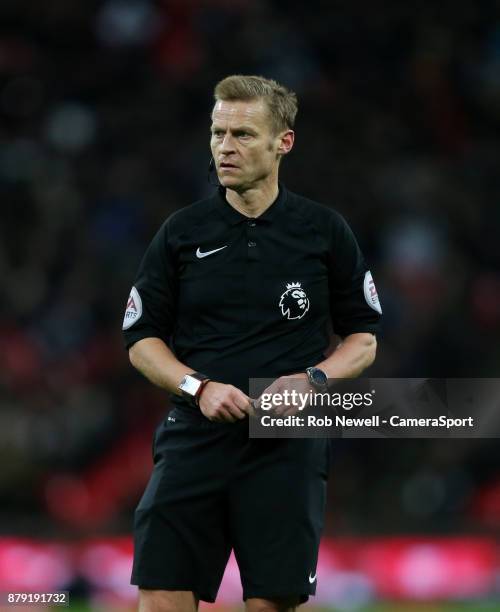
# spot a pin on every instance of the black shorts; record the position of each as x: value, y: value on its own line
x: 212, y: 490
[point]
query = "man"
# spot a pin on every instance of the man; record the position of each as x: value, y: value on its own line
x: 241, y: 285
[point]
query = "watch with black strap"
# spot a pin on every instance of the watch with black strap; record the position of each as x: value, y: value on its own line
x: 192, y: 385
x: 317, y: 379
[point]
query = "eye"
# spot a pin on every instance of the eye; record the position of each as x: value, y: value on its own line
x: 217, y: 133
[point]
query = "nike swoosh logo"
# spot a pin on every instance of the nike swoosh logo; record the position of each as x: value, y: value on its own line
x: 312, y: 578
x: 201, y: 255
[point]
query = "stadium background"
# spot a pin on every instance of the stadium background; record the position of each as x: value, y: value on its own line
x: 104, y: 116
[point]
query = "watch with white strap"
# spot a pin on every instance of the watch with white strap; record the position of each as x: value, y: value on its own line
x: 192, y: 385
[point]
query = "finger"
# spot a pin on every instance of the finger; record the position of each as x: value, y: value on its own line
x: 218, y: 415
x: 225, y: 416
x: 236, y: 412
x: 282, y: 404
x: 244, y: 396
x: 256, y: 404
x: 242, y: 402
x: 253, y: 407
x: 231, y: 406
x: 287, y: 406
x: 239, y: 395
x: 290, y: 411
x: 271, y: 390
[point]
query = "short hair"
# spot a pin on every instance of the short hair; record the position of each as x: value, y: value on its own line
x: 281, y: 102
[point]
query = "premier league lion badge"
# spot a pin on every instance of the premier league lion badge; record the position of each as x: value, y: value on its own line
x: 294, y: 302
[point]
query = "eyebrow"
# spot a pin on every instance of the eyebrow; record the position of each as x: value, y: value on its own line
x: 238, y: 128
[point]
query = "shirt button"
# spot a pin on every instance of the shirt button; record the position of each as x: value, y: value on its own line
x: 252, y: 223
x: 251, y: 243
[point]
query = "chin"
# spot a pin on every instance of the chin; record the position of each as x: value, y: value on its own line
x: 230, y: 182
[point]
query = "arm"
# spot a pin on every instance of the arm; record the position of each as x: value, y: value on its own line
x: 354, y: 305
x: 352, y: 356
x: 355, y: 353
x: 154, y: 359
x: 150, y: 316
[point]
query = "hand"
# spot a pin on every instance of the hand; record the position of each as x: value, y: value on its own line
x: 294, y: 392
x: 223, y: 403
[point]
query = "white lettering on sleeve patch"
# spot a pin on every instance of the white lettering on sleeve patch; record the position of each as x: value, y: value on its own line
x: 371, y: 295
x: 133, y: 311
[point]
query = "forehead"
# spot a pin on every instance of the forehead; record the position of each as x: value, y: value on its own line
x: 240, y: 112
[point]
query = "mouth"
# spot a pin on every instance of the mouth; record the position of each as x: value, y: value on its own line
x: 226, y: 165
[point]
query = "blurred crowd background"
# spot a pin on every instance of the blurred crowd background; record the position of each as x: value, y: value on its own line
x: 104, y: 131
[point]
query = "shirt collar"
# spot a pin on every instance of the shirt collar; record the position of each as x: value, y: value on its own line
x: 233, y: 217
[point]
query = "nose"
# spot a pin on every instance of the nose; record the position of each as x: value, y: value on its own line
x: 227, y: 144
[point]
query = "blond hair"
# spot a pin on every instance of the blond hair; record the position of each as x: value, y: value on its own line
x: 281, y: 102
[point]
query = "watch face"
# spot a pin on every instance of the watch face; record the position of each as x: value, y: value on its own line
x: 190, y: 385
x: 319, y: 377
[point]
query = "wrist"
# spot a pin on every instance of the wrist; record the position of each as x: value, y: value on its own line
x: 200, y: 391
x: 317, y: 378
x: 192, y: 385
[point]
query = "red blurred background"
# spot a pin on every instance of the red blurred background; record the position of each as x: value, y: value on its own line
x: 104, y: 109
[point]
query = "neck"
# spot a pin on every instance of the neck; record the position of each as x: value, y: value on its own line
x: 254, y: 201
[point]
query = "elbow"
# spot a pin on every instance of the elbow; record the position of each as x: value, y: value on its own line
x: 132, y: 355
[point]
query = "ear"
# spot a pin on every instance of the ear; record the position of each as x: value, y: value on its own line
x: 286, y: 140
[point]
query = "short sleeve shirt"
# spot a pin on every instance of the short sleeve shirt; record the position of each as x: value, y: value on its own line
x: 239, y: 298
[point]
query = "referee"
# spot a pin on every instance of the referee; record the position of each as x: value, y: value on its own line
x: 244, y: 284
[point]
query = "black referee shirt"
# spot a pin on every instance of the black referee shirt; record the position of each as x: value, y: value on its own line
x: 239, y: 298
